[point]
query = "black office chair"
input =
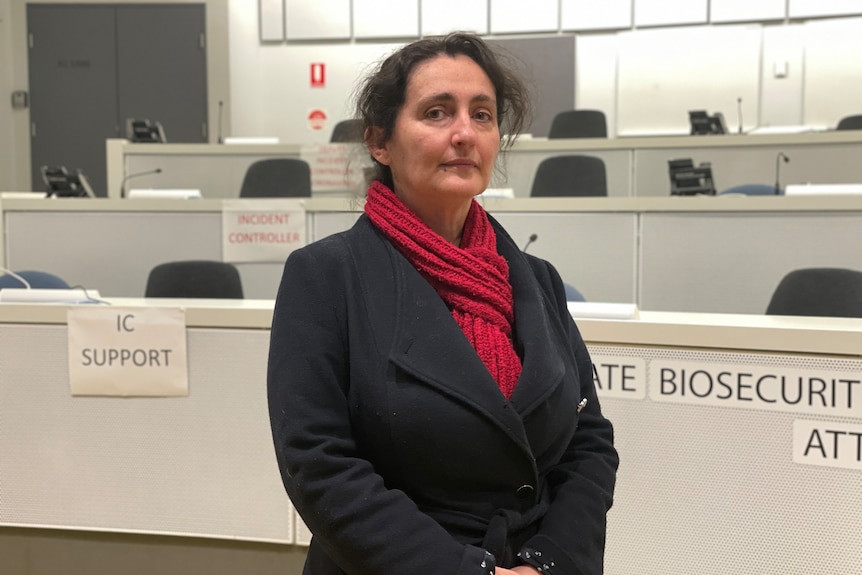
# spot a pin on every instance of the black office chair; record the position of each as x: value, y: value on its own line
x: 850, y: 123
x: 277, y: 178
x: 195, y: 279
x: 570, y: 176
x: 348, y: 131
x: 36, y: 279
x: 829, y: 292
x: 579, y: 124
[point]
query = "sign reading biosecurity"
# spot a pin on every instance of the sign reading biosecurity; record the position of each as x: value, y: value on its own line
x: 127, y: 351
x: 262, y: 230
x: 803, y: 390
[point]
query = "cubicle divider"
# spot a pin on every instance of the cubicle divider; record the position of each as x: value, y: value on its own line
x: 636, y: 166
x: 696, y: 254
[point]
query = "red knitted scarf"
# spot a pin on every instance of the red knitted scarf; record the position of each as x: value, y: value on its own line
x: 473, y: 279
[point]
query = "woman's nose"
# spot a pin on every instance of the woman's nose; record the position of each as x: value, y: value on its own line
x: 463, y: 130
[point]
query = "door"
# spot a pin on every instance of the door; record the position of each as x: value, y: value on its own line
x: 162, y: 68
x: 94, y: 66
x: 73, y: 88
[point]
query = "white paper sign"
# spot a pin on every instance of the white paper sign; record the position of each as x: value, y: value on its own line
x: 335, y: 167
x: 801, y: 390
x: 127, y: 351
x: 619, y: 377
x: 827, y: 444
x: 262, y: 230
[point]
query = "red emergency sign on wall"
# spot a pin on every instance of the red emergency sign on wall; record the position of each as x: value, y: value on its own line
x: 318, y: 75
x: 317, y: 119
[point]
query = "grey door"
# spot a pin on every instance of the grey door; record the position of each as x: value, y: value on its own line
x: 162, y: 68
x: 93, y: 66
x: 73, y: 88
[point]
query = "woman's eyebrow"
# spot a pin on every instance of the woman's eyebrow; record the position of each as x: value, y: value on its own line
x: 449, y: 97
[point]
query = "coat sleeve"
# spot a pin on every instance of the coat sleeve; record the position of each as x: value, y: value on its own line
x: 364, y: 527
x: 572, y: 533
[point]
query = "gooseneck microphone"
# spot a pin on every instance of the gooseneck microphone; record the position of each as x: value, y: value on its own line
x: 220, y: 104
x: 135, y: 175
x: 778, y: 158
x: 739, y: 112
x: 533, y: 237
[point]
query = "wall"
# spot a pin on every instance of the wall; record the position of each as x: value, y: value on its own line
x: 7, y: 142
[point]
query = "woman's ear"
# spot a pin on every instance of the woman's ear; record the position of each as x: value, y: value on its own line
x: 374, y: 141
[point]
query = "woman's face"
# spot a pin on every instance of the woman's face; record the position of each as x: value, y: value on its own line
x: 445, y: 140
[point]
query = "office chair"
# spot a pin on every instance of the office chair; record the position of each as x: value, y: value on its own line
x: 829, y: 292
x: 277, y: 178
x: 572, y: 293
x: 579, y: 124
x: 570, y: 176
x: 348, y: 131
x: 751, y: 190
x: 36, y: 279
x: 194, y: 279
x: 850, y: 123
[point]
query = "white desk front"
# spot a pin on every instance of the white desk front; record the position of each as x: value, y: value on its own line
x: 706, y: 485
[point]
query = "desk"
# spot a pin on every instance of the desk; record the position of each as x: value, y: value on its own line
x: 636, y: 166
x: 695, y: 254
x: 702, y: 488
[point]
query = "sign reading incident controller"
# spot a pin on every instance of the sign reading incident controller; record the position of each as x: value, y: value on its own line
x: 262, y: 230
x: 128, y: 351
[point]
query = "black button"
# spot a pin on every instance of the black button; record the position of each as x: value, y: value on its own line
x: 525, y: 491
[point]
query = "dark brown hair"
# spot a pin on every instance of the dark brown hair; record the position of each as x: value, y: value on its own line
x: 382, y: 94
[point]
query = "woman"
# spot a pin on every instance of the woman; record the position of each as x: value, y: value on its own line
x: 431, y: 400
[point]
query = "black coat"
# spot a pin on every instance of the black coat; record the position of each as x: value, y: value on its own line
x: 396, y: 445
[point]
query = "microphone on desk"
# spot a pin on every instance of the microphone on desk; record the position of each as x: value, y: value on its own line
x: 533, y: 237
x: 220, y: 104
x: 135, y: 175
x: 739, y: 112
x: 778, y: 171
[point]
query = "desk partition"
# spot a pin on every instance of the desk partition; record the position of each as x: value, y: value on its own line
x: 736, y: 475
x: 699, y: 254
x: 636, y: 166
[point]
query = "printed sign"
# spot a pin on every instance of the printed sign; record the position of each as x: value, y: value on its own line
x: 316, y: 119
x: 757, y: 387
x: 318, y: 75
x: 619, y: 377
x: 334, y: 167
x: 262, y: 230
x: 127, y: 351
x: 827, y: 444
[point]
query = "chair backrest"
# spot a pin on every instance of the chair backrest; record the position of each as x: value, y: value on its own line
x: 195, y: 279
x: 850, y: 123
x: 36, y: 279
x: 579, y: 124
x: 752, y: 190
x: 347, y: 131
x: 828, y: 292
x: 570, y: 175
x: 277, y: 178
x: 572, y: 293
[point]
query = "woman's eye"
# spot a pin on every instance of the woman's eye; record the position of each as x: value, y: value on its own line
x: 435, y: 114
x: 483, y: 116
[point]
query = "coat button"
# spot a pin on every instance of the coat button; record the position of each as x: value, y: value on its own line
x: 524, y: 492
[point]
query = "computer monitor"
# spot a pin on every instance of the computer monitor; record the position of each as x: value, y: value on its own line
x: 145, y: 132
x: 59, y: 182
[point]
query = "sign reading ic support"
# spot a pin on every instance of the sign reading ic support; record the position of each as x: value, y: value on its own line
x: 127, y: 351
